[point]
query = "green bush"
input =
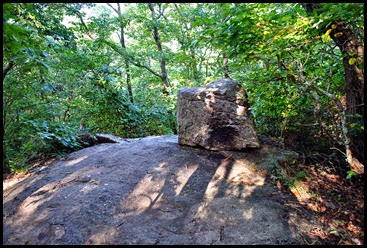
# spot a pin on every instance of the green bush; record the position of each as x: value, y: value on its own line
x: 37, y: 139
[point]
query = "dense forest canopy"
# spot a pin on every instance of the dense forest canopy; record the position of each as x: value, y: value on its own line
x: 71, y: 68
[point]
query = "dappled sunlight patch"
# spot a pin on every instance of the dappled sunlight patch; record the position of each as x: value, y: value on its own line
x: 161, y: 167
x: 202, y: 211
x: 334, y: 199
x: 202, y: 130
x: 23, y: 178
x: 210, y: 98
x: 240, y: 110
x: 213, y: 186
x: 88, y: 187
x: 183, y: 175
x: 19, y: 188
x: 331, y: 177
x: 318, y: 232
x: 44, y: 163
x: 235, y: 173
x: 104, y: 236
x: 212, y: 189
x: 75, y: 161
x: 241, y: 173
x: 146, y: 193
x: 250, y: 166
x: 247, y: 215
x: 30, y: 205
x: 14, y: 180
x: 47, y: 192
x: 301, y: 190
x: 141, y: 202
x: 249, y: 179
x: 39, y: 197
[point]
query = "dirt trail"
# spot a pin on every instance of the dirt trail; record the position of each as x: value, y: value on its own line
x: 153, y: 191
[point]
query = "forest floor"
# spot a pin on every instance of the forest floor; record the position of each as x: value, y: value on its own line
x: 338, y: 202
x: 153, y: 191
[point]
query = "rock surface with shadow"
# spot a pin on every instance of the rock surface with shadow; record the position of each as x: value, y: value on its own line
x: 153, y: 191
x: 216, y: 117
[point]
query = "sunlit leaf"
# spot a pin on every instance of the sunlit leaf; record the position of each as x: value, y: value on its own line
x: 352, y: 61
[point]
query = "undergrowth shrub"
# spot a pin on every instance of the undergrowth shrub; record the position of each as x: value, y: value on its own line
x: 37, y: 139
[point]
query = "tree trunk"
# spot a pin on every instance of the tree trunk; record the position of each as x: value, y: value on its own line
x: 122, y: 42
x: 225, y: 66
x: 159, y: 46
x: 194, y: 67
x: 127, y: 67
x: 352, y: 49
x: 185, y: 34
x: 112, y: 45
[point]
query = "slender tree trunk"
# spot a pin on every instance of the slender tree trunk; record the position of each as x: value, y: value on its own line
x: 225, y: 59
x: 128, y: 84
x: 117, y: 50
x: 225, y: 66
x: 185, y: 34
x: 127, y: 66
x: 194, y: 66
x: 122, y: 42
x: 159, y: 46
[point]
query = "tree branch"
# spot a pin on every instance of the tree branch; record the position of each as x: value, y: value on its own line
x: 132, y: 61
x: 117, y: 12
x: 8, y: 68
x: 84, y: 25
x: 146, y: 67
x: 119, y: 52
x: 179, y: 12
x: 354, y: 163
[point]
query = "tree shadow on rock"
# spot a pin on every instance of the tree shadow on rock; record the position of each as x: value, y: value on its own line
x: 147, y: 192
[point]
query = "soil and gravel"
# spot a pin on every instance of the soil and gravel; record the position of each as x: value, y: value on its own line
x: 153, y: 191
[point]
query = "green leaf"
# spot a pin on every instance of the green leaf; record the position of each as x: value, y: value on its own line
x: 45, y: 54
x: 283, y: 73
x: 334, y: 232
x: 328, y: 32
x: 352, y: 61
x: 29, y: 53
x: 44, y: 125
x: 351, y: 173
x: 43, y: 63
x: 301, y: 175
x: 193, y: 43
x: 325, y: 38
x: 361, y: 66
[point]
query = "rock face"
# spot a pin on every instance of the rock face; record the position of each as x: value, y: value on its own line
x: 216, y: 117
x: 153, y: 191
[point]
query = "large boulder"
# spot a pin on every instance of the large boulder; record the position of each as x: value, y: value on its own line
x: 216, y: 117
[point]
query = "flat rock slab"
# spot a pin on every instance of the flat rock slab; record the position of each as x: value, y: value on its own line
x: 153, y: 191
x: 216, y: 117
